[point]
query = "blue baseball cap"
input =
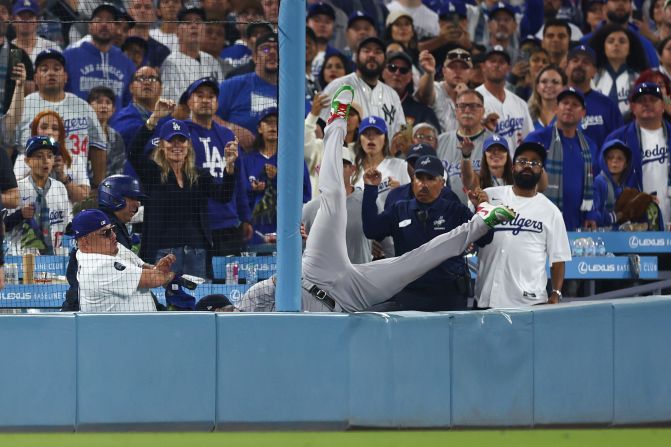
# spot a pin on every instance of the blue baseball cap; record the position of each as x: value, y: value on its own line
x: 419, y: 150
x: 429, y: 164
x: 373, y: 121
x: 360, y: 15
x: 26, y: 5
x: 172, y: 128
x: 49, y: 54
x: 34, y: 144
x: 583, y: 49
x: 493, y: 140
x: 501, y: 6
x: 321, y: 8
x: 265, y: 113
x: 89, y: 221
x: 452, y: 7
x: 195, y: 85
x: 572, y: 91
x: 646, y: 88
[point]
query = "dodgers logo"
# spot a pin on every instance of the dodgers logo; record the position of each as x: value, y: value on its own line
x: 175, y: 126
x: 520, y: 224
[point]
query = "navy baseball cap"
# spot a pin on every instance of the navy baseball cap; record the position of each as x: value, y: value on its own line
x: 532, y: 146
x: 89, y: 221
x: 321, y: 8
x: 498, y: 49
x: 419, y: 150
x: 501, y: 6
x: 213, y: 302
x: 451, y: 8
x: 400, y: 55
x: 583, y: 49
x: 253, y: 26
x: 572, y: 91
x: 371, y: 39
x: 494, y: 140
x: 172, y: 128
x: 360, y: 15
x: 429, y: 164
x: 25, y: 5
x: 265, y: 113
x: 646, y: 88
x: 34, y: 144
x: 265, y: 38
x: 373, y: 121
x: 49, y: 54
x: 181, y: 15
x: 106, y: 7
x: 195, y: 85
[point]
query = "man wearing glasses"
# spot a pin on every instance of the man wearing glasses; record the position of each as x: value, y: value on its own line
x: 512, y: 268
x: 111, y: 277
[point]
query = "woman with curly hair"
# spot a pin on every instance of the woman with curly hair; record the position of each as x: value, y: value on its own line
x: 620, y: 57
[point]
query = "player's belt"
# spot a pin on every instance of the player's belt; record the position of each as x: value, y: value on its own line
x: 319, y: 294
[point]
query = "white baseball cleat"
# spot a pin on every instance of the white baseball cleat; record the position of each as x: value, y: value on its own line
x: 495, y: 214
x: 341, y: 102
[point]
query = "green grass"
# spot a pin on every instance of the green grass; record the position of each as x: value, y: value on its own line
x: 639, y: 437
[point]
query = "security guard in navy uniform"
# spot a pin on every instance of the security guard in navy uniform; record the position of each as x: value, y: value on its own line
x: 119, y: 198
x: 414, y: 222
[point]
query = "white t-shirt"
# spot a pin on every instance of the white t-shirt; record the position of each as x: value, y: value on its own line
x: 110, y: 283
x: 179, y: 71
x: 41, y: 44
x: 514, y: 120
x: 389, y: 168
x: 444, y: 108
x: 425, y: 20
x: 512, y: 268
x: 655, y: 166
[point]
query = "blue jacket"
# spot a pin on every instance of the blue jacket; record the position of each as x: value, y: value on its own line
x: 88, y: 67
x: 404, y: 192
x: 602, y: 117
x: 208, y: 145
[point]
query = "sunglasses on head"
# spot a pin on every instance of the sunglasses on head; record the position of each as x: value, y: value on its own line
x: 394, y: 68
x: 459, y: 56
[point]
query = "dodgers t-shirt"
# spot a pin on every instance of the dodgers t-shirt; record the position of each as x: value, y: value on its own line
x: 655, y: 166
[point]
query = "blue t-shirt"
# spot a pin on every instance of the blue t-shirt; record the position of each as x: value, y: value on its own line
x: 243, y: 98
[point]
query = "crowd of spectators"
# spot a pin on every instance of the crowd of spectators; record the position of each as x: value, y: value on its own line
x: 466, y: 80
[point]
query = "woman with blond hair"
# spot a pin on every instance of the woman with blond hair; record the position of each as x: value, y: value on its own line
x: 72, y: 173
x: 175, y: 214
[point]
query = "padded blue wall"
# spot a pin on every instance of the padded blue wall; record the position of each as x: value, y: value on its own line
x: 604, y: 363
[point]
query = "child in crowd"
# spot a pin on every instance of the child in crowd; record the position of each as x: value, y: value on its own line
x: 38, y: 224
x: 102, y: 99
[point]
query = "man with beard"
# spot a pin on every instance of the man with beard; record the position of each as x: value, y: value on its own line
x: 619, y: 12
x: 466, y: 142
x: 183, y: 67
x: 376, y: 98
x: 511, y: 269
x: 99, y: 62
x: 602, y: 115
x: 230, y: 221
x: 243, y: 98
x: 569, y: 159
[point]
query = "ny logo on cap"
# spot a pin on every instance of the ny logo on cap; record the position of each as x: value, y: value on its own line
x: 175, y: 126
x: 425, y: 162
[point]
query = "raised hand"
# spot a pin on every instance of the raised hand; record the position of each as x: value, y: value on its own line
x: 372, y: 177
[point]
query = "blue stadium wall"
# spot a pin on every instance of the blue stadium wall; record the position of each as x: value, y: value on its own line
x: 602, y: 363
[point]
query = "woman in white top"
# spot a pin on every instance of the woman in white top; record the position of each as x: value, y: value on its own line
x: 550, y: 81
x: 71, y: 172
x: 371, y: 151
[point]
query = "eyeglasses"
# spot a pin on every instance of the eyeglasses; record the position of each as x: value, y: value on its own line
x: 425, y: 137
x: 394, y: 68
x: 523, y: 162
x: 469, y: 105
x: 107, y: 232
x: 150, y: 79
x: 268, y: 48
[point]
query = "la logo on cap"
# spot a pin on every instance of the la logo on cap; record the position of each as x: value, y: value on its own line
x: 371, y: 120
x: 451, y: 7
x: 425, y: 162
x: 495, y: 137
x: 175, y: 126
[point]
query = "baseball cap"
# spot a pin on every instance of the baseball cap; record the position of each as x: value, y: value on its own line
x: 213, y: 302
x: 25, y: 5
x: 460, y: 55
x: 498, y: 49
x: 373, y: 121
x: 583, y: 49
x: 181, y: 15
x: 494, y: 140
x: 348, y: 155
x: 253, y: 26
x: 265, y: 113
x: 195, y: 85
x: 452, y: 7
x: 49, y: 54
x: 572, y: 91
x: 371, y: 39
x: 34, y: 144
x: 501, y: 6
x: 172, y: 128
x: 360, y: 15
x: 419, y: 150
x: 429, y: 164
x: 265, y: 38
x: 89, y: 221
x: 321, y: 8
x: 646, y: 88
x: 395, y: 15
x: 130, y: 40
x: 400, y: 55
x: 531, y: 146
x: 106, y: 7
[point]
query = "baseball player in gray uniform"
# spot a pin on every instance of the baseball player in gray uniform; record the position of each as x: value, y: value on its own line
x: 331, y: 283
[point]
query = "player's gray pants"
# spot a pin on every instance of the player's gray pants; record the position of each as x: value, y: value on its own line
x: 359, y: 286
